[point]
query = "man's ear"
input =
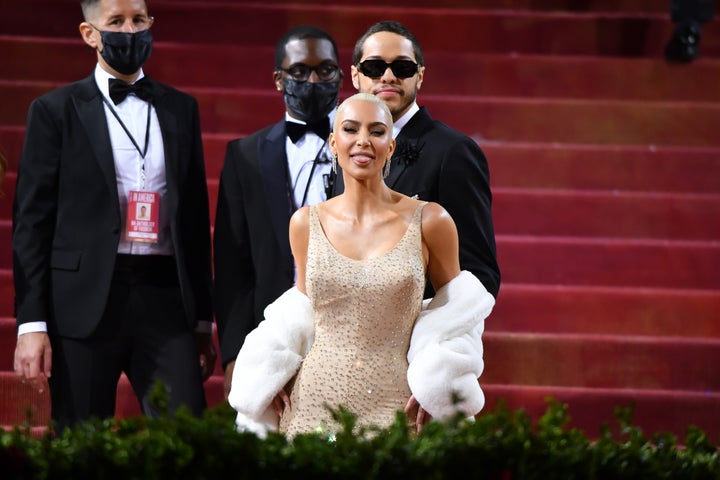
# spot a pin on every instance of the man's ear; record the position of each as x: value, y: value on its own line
x: 421, y: 77
x: 277, y: 78
x: 354, y: 74
x: 87, y: 33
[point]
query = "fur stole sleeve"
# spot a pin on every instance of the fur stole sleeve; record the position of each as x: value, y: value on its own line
x: 446, y: 350
x: 270, y: 356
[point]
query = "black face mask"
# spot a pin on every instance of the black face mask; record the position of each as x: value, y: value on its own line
x: 310, y: 101
x: 126, y: 52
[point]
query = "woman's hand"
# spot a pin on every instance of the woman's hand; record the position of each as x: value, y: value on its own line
x: 281, y: 402
x: 416, y: 414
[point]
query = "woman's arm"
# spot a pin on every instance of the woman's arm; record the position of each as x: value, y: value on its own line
x: 299, y: 235
x: 440, y: 238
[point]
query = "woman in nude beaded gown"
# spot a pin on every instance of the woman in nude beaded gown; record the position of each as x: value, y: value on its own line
x: 362, y: 259
x: 354, y: 330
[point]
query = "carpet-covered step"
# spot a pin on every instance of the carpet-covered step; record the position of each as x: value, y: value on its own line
x: 8, y: 334
x: 11, y: 143
x: 6, y: 198
x: 506, y: 119
x: 458, y: 73
x: 602, y: 361
x: 641, y: 361
x: 638, y: 6
x: 484, y: 118
x: 563, y: 309
x: 655, y: 411
x: 20, y: 403
x: 610, y: 214
x: 609, y: 262
x: 559, y: 309
x: 451, y: 29
x: 567, y: 166
x: 6, y: 242
x: 571, y: 213
x: 127, y: 404
x: 600, y: 167
x: 518, y: 164
x: 7, y: 293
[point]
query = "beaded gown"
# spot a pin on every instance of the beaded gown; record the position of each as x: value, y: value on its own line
x: 364, y: 312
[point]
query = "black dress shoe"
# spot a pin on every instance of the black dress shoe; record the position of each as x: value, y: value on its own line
x: 684, y: 46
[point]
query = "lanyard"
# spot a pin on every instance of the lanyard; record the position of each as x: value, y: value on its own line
x: 307, y: 185
x: 147, y: 137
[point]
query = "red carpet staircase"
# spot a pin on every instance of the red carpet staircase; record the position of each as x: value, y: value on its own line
x: 605, y: 164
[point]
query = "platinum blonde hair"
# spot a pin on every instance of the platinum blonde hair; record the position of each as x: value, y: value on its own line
x: 365, y: 97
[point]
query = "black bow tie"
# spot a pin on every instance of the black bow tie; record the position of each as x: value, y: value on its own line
x: 296, y: 130
x: 119, y: 89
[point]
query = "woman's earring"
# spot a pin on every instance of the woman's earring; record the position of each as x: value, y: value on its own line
x: 334, y: 164
x: 386, y: 168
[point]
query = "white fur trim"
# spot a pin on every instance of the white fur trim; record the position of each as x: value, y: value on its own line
x: 446, y: 351
x: 269, y: 358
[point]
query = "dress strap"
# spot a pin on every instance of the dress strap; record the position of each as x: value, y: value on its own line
x: 417, y: 216
x: 314, y: 220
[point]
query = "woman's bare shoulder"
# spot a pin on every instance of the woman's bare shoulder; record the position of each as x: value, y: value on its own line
x: 300, y: 220
x: 434, y: 216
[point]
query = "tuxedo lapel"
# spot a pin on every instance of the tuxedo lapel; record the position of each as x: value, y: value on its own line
x: 408, y: 140
x: 273, y: 168
x: 169, y: 127
x: 397, y: 166
x: 91, y: 112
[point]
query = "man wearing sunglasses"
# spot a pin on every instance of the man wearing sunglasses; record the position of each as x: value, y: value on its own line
x: 431, y: 162
x: 265, y: 178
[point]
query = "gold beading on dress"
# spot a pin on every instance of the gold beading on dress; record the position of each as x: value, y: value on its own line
x: 364, y: 312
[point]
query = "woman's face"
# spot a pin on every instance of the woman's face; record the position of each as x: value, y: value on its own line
x: 362, y: 139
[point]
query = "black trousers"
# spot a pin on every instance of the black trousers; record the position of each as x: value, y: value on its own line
x: 685, y: 11
x: 143, y: 333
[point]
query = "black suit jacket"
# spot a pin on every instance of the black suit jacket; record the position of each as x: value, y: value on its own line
x: 253, y: 260
x: 436, y: 163
x: 66, y: 215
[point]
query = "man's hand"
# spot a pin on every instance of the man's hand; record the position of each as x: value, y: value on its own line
x: 207, y: 354
x: 33, y: 359
x: 228, y: 377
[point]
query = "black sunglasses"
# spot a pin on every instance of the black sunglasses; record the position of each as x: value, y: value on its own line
x: 399, y: 68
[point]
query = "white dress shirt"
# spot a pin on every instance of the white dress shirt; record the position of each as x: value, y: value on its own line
x: 129, y: 163
x: 300, y: 158
x: 402, y: 121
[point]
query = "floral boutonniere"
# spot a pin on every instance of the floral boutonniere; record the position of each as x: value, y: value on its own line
x: 406, y: 152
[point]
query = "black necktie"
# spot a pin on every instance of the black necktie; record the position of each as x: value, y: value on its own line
x: 296, y: 130
x: 119, y: 89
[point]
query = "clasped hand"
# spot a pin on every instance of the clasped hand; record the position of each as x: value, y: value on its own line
x: 416, y: 414
x: 33, y: 359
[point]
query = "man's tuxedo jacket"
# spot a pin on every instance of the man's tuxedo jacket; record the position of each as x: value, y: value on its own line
x: 435, y: 163
x: 66, y: 216
x: 253, y: 260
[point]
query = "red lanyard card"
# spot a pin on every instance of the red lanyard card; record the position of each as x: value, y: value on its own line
x: 142, y: 217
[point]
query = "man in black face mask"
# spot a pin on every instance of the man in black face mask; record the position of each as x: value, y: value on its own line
x: 100, y: 291
x: 265, y: 178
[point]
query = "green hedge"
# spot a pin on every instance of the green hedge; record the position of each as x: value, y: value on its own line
x: 501, y: 444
